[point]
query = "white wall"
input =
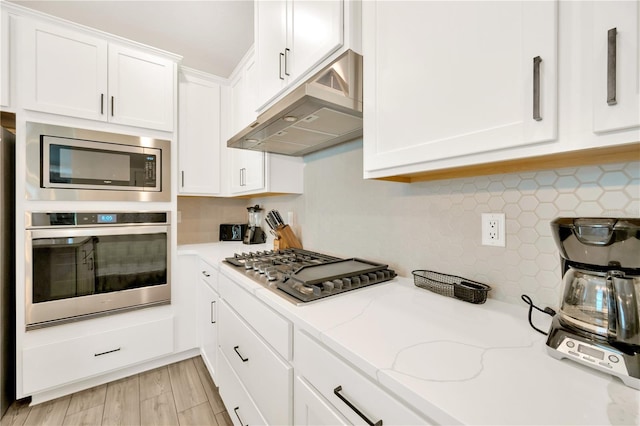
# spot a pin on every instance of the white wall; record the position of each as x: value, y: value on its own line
x: 436, y: 225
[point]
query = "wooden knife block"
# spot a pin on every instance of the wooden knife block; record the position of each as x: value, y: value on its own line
x: 286, y: 238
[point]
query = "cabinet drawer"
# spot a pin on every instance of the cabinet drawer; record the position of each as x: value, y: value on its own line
x: 241, y: 408
x: 268, y: 379
x: 331, y: 377
x: 75, y: 359
x: 273, y: 328
x: 209, y: 274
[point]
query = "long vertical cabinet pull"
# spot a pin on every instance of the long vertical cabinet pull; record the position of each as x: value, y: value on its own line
x: 337, y: 391
x: 112, y: 108
x: 286, y: 61
x: 182, y: 178
x: 612, y: 35
x: 235, y: 410
x: 101, y: 103
x: 213, y: 312
x: 536, y: 88
x: 280, y: 59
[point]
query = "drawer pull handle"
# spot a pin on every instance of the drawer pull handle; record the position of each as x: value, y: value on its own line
x: 213, y: 321
x: 206, y: 274
x: 337, y: 391
x: 235, y: 348
x: 107, y: 352
x: 235, y: 410
x: 536, y: 88
x: 611, y: 66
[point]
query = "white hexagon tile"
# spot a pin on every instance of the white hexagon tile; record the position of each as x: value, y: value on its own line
x: 436, y: 225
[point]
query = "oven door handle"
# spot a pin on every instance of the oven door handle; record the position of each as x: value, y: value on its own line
x: 76, y: 232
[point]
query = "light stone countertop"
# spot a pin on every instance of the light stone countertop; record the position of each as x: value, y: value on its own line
x: 454, y: 361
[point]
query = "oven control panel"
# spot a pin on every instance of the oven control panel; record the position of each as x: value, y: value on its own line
x: 63, y: 219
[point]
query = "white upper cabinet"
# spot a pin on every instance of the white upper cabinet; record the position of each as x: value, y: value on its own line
x: 450, y: 79
x: 198, y: 134
x: 247, y: 170
x: 243, y: 94
x: 616, y: 65
x: 141, y: 88
x: 292, y: 36
x: 74, y: 73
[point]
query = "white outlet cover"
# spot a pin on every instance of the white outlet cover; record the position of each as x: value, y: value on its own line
x: 493, y: 229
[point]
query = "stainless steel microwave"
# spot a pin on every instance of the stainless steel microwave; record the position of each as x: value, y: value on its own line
x: 66, y: 163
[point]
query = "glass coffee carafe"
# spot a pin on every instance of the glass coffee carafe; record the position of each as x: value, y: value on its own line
x: 601, y: 273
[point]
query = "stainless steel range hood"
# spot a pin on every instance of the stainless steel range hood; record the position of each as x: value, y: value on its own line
x: 323, y: 111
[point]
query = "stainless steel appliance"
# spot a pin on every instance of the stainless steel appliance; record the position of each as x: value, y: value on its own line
x: 7, y: 271
x: 76, y: 164
x: 232, y: 231
x: 598, y: 324
x: 254, y: 233
x: 323, y: 111
x: 82, y: 265
x: 302, y: 276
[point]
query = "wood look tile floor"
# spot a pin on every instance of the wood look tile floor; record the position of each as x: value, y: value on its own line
x: 178, y: 394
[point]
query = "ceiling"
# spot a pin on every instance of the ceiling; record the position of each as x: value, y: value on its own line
x: 211, y: 35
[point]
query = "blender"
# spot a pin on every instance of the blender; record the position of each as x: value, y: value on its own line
x: 254, y: 234
x: 598, y: 323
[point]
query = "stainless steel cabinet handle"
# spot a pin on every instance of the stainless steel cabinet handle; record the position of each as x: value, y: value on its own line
x: 235, y: 348
x: 280, y: 59
x: 206, y: 274
x: 107, y: 352
x: 536, y: 88
x: 112, y: 108
x: 286, y: 61
x: 235, y: 410
x: 337, y: 391
x: 101, y: 103
x: 182, y: 178
x: 611, y: 65
x: 213, y: 321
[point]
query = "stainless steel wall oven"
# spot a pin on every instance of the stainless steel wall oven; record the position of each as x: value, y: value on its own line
x: 81, y: 265
x: 66, y: 163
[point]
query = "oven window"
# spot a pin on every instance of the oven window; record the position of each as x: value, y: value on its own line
x: 80, y: 266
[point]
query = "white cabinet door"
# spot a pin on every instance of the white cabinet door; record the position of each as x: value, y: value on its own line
x: 64, y: 72
x: 183, y: 302
x: 317, y: 30
x: 247, y: 170
x: 243, y: 99
x: 5, y: 75
x: 616, y: 65
x: 141, y: 89
x: 293, y: 36
x: 208, y: 327
x: 451, y: 79
x: 199, y: 136
x: 271, y: 42
x: 312, y: 409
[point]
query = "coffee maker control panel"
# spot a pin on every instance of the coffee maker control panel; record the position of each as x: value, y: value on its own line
x: 592, y: 355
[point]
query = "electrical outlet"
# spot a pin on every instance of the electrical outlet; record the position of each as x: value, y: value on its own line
x: 493, y: 233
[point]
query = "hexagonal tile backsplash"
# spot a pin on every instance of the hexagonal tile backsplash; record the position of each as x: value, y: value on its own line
x: 436, y: 225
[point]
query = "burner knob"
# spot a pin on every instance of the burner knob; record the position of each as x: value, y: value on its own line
x: 328, y: 286
x: 271, y: 273
x: 339, y: 284
x: 316, y: 290
x: 355, y: 280
x: 364, y: 279
x: 380, y: 275
x: 248, y: 264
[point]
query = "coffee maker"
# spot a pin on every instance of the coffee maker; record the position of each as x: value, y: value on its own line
x: 254, y: 234
x: 598, y: 323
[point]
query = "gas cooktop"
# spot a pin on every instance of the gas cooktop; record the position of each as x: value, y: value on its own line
x: 302, y: 276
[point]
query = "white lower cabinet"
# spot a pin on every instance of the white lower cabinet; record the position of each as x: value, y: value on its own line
x: 65, y: 361
x: 208, y: 318
x: 241, y: 408
x: 336, y: 385
x: 311, y: 408
x: 267, y: 377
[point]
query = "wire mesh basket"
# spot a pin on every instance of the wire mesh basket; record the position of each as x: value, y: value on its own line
x: 451, y: 286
